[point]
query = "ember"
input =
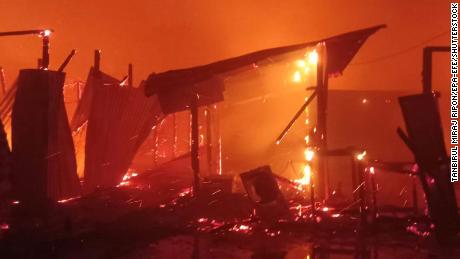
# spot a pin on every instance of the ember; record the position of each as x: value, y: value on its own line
x: 126, y: 178
x: 69, y: 199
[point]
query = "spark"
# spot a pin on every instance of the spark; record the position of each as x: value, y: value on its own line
x: 201, y: 220
x: 241, y: 228
x: 69, y: 199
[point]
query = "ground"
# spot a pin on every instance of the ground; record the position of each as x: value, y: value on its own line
x: 154, y: 216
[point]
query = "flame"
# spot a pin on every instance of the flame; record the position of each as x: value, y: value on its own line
x: 301, y: 63
x: 126, y: 178
x: 372, y: 170
x: 305, y: 180
x: 361, y: 156
x: 313, y: 57
x: 45, y: 33
x: 297, y: 77
x: 304, y: 66
x: 309, y: 154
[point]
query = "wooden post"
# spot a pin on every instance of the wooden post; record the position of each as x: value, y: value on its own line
x: 45, y: 53
x: 97, y: 60
x: 218, y: 139
x: 362, y: 193
x: 414, y: 195
x: 67, y: 60
x: 312, y: 195
x: 321, y: 136
x: 427, y: 65
x: 78, y: 91
x: 354, y: 177
x: 156, y: 142
x: 130, y: 75
x: 195, y: 144
x: 2, y: 81
x: 209, y: 136
x: 174, y: 119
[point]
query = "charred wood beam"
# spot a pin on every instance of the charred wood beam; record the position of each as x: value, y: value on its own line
x: 130, y: 75
x: 2, y: 81
x: 195, y: 143
x: 296, y: 116
x: 321, y: 140
x: 27, y: 32
x: 97, y: 60
x: 45, y: 52
x: 427, y: 66
x: 67, y: 60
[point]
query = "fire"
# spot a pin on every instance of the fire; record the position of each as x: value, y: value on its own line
x: 45, y: 33
x: 372, y: 170
x: 304, y: 66
x: 313, y: 57
x: 361, y: 155
x: 305, y: 180
x: 241, y: 228
x: 126, y: 178
x: 300, y: 63
x: 309, y: 154
x: 297, y: 77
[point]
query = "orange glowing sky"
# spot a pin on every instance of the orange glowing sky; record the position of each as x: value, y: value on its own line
x: 159, y: 35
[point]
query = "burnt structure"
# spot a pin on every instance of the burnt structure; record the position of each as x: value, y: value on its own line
x: 176, y: 88
x: 44, y: 165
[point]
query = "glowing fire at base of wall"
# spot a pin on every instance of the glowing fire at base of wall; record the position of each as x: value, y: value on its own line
x: 304, y: 66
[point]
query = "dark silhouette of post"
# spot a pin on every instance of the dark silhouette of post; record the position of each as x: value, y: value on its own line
x: 2, y: 81
x: 427, y: 66
x: 130, y: 75
x: 45, y: 53
x: 195, y: 143
x: 321, y: 132
x: 209, y: 136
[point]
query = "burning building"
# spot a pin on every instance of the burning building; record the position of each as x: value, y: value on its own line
x: 254, y: 148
